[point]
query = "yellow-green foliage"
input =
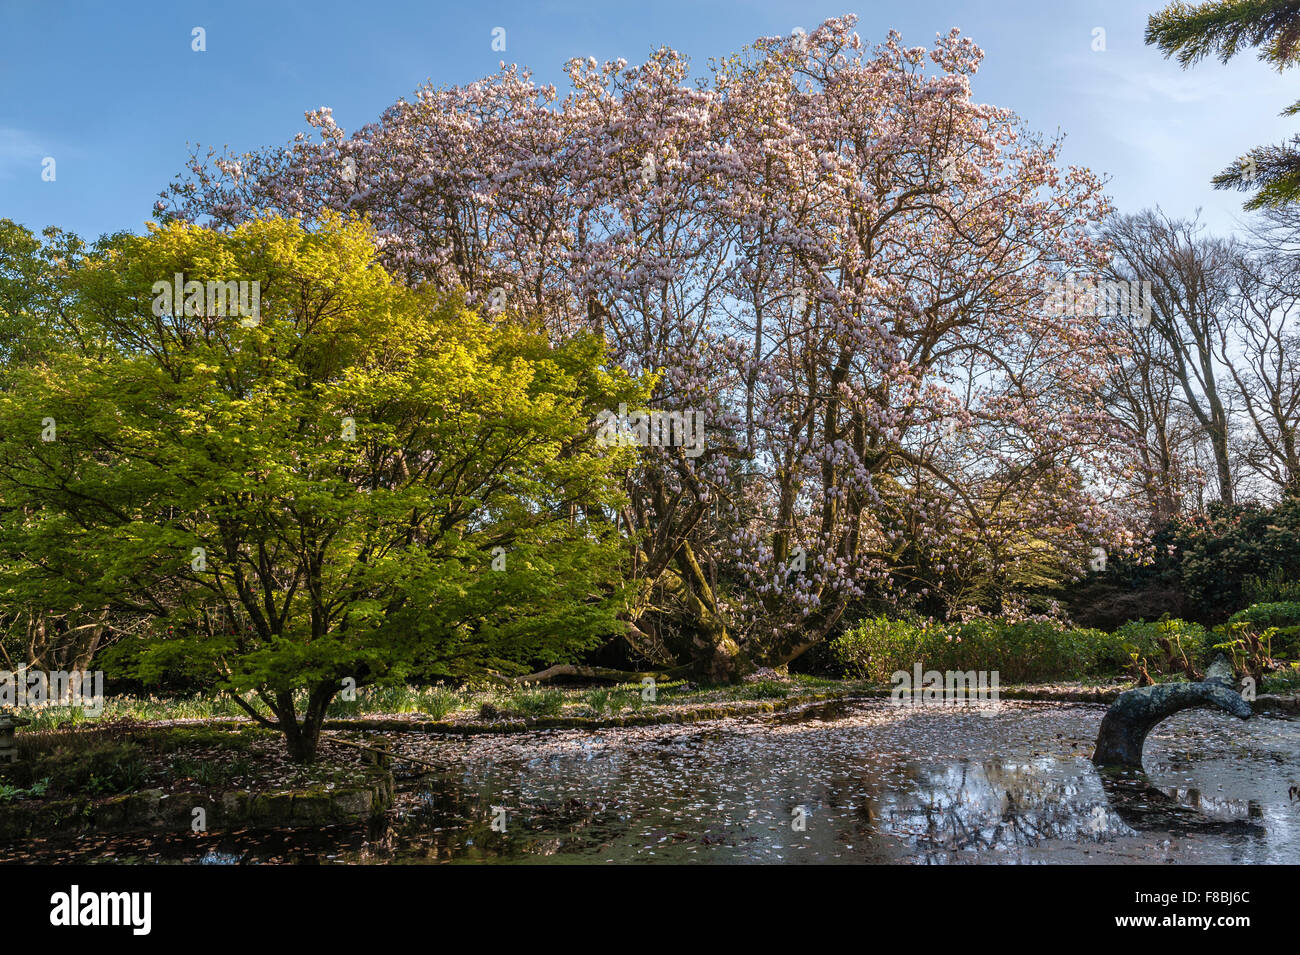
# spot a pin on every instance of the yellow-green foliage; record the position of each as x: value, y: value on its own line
x: 317, y: 493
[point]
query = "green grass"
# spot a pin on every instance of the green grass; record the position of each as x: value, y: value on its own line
x: 211, y: 773
x: 442, y: 702
x: 435, y: 701
x: 134, y: 709
x: 764, y: 690
x: 538, y: 702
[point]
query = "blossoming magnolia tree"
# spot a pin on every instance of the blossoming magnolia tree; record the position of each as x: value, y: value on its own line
x: 836, y: 255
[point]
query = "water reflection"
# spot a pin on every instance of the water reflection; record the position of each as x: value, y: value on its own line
x: 1003, y: 805
x: 1182, y: 810
x: 860, y: 783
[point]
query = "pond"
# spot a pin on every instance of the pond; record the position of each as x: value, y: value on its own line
x: 845, y: 782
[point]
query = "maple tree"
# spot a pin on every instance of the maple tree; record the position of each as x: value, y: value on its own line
x: 361, y: 482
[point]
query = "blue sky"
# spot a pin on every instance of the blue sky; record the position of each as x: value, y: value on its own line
x: 113, y: 91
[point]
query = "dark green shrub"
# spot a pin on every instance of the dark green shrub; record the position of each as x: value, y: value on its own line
x: 879, y: 646
x: 94, y: 768
x: 1223, y: 555
x: 1282, y: 615
x: 1286, y: 642
x: 1167, y: 646
x: 1027, y: 651
x: 1286, y: 680
x: 1277, y: 587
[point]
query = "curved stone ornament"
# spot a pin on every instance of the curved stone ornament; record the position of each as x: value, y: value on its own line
x: 1135, y: 713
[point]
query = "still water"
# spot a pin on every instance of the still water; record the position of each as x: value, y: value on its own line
x: 855, y: 782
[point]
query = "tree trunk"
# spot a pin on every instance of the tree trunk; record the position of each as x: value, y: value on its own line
x: 1222, y: 462
x: 301, y: 740
x: 717, y: 657
x: 302, y: 736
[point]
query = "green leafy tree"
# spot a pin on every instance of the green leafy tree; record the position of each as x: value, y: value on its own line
x: 34, y: 290
x: 35, y: 294
x: 352, y: 482
x: 1220, y: 553
x: 1226, y: 28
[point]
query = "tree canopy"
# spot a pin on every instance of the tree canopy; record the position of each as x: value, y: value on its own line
x: 360, y: 481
